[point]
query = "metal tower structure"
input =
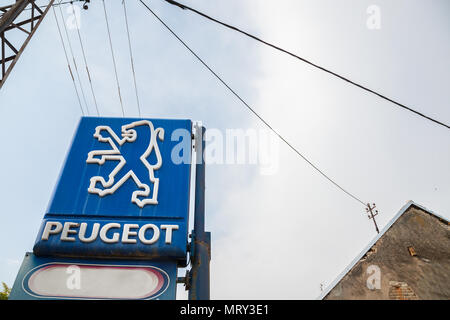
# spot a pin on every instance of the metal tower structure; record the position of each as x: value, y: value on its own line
x: 23, y: 15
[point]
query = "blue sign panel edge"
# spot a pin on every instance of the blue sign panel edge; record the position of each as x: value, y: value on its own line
x: 32, y: 263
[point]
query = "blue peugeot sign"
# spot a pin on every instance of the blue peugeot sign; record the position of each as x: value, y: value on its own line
x: 123, y: 191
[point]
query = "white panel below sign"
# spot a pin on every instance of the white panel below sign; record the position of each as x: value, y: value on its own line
x: 97, y: 281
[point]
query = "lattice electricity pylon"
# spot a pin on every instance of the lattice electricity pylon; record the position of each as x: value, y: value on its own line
x: 26, y: 16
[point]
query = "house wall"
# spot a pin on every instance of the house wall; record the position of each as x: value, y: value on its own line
x: 410, y: 261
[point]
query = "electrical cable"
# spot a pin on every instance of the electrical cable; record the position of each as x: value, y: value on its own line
x: 113, y: 58
x: 58, y: 4
x: 131, y: 56
x: 184, y: 7
x: 85, y: 60
x: 251, y: 109
x: 67, y: 59
x: 74, y: 61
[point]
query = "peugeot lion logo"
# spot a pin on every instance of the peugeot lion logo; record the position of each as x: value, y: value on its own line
x: 106, y: 134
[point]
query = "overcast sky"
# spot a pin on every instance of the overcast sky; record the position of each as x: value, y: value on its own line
x: 276, y: 236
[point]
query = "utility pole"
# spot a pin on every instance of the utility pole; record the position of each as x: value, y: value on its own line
x: 25, y: 16
x: 369, y: 210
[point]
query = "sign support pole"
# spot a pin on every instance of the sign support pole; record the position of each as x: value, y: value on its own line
x: 201, y: 240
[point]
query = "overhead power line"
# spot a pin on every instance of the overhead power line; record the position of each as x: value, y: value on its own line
x: 251, y: 109
x: 4, y: 8
x: 84, y: 58
x: 131, y: 56
x: 73, y: 58
x: 113, y: 58
x: 184, y: 7
x: 74, y: 61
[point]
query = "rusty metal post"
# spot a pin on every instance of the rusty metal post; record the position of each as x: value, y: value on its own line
x: 201, y: 240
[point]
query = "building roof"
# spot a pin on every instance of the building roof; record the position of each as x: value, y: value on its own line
x: 372, y: 243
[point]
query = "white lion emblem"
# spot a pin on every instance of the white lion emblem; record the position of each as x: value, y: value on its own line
x: 128, y: 135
